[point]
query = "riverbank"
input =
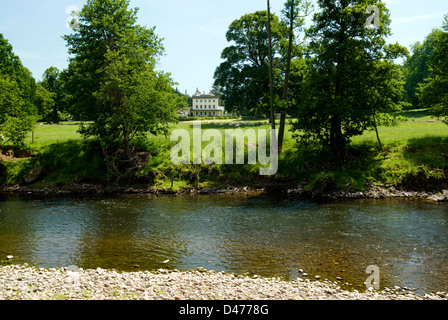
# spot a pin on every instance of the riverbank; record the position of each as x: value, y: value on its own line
x: 30, y: 283
x: 412, y: 164
x: 377, y: 192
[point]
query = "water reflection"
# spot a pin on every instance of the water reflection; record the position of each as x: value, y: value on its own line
x: 408, y: 240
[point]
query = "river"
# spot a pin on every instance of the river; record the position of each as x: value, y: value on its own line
x: 406, y: 239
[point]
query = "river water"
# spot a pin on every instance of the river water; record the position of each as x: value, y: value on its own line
x: 407, y: 240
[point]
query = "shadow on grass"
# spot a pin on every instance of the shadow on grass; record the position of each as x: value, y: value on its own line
x: 429, y: 150
x: 417, y: 113
x: 70, y: 161
x: 315, y: 168
x: 429, y: 156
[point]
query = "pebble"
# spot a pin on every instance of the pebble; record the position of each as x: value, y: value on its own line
x: 198, y: 284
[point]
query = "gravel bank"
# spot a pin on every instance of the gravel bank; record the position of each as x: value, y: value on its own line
x: 30, y: 283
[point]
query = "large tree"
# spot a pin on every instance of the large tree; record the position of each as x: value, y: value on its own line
x: 17, y: 92
x: 433, y: 92
x: 344, y: 72
x: 112, y: 79
x: 244, y: 75
x: 11, y: 66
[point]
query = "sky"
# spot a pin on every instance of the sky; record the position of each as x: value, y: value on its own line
x: 193, y: 31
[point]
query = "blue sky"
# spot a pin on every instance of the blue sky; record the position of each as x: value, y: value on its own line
x: 194, y: 31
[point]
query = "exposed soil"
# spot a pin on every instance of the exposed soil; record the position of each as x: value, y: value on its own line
x: 14, y: 154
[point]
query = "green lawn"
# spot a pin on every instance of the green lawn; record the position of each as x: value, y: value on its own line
x: 45, y: 135
x: 418, y: 125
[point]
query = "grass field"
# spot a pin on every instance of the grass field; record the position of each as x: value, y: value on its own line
x: 418, y: 125
x: 413, y: 152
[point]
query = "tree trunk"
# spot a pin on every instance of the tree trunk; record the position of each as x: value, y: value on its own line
x: 281, y: 132
x: 376, y: 131
x: 127, y: 148
x: 55, y: 114
x: 271, y: 67
x: 337, y: 142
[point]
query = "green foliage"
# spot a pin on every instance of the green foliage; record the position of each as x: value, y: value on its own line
x: 67, y: 162
x: 17, y: 90
x: 433, y: 92
x: 15, y: 120
x: 244, y: 75
x: 52, y: 82
x: 351, y: 77
x: 10, y: 65
x: 72, y: 161
x: 416, y: 67
x: 45, y: 101
x: 111, y: 80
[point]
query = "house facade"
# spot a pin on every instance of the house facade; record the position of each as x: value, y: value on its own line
x: 206, y: 105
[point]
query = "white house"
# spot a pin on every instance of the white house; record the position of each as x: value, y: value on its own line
x: 206, y: 105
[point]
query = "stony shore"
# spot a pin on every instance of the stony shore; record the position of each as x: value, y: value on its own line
x: 30, y: 283
x: 378, y: 192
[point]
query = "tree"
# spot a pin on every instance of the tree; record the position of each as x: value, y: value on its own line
x: 112, y: 81
x: 385, y: 95
x: 17, y: 91
x: 15, y: 121
x: 51, y: 81
x: 344, y: 73
x: 416, y: 66
x: 294, y: 13
x: 244, y: 75
x: 271, y: 70
x: 433, y: 92
x: 44, y: 101
x: 11, y: 65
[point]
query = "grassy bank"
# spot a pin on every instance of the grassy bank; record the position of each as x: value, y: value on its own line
x: 412, y: 158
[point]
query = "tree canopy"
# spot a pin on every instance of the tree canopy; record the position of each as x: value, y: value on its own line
x: 17, y: 94
x: 416, y: 67
x: 112, y: 79
x: 244, y: 75
x: 351, y: 75
x: 52, y: 82
x: 433, y: 92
